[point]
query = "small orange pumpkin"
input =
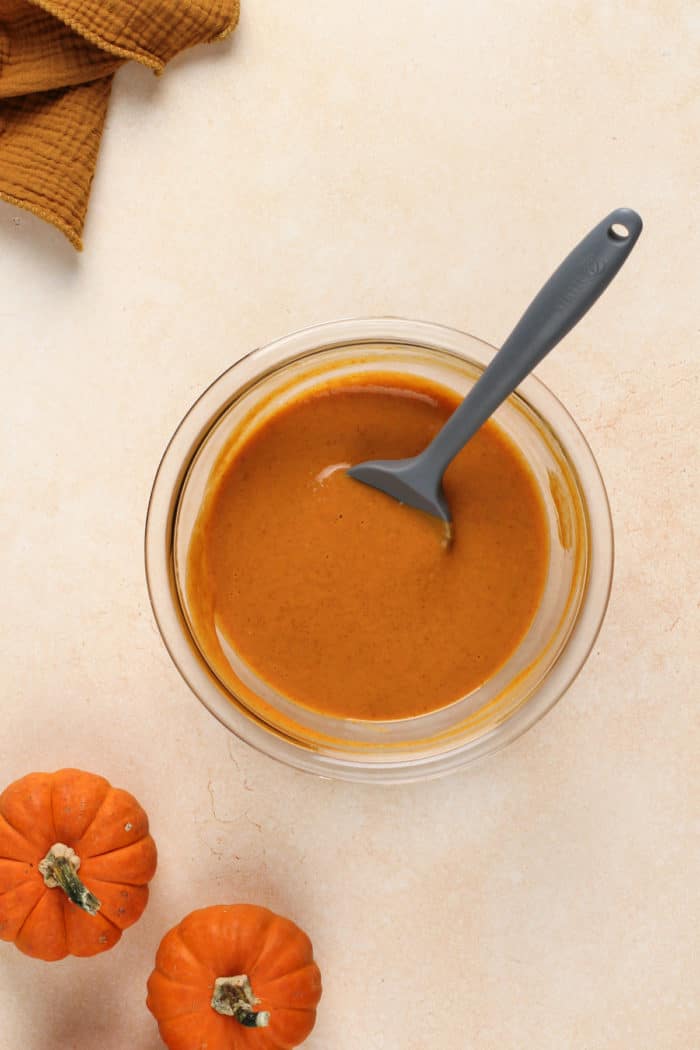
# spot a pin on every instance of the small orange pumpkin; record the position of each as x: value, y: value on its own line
x: 234, y: 977
x: 51, y: 826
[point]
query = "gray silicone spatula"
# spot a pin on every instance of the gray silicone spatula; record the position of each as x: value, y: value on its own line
x: 568, y: 294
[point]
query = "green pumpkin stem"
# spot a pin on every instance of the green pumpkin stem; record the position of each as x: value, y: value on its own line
x: 233, y: 997
x: 59, y: 868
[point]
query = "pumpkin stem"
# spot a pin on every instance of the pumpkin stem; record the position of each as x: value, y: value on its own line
x: 233, y: 997
x: 59, y: 868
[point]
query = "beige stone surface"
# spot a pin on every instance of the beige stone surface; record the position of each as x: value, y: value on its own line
x: 431, y: 159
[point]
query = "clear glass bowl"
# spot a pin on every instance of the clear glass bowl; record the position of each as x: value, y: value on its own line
x: 538, y: 672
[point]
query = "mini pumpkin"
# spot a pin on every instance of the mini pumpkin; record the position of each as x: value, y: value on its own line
x: 234, y: 977
x: 75, y: 861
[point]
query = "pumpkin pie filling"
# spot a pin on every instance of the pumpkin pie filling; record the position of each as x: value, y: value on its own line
x: 342, y: 599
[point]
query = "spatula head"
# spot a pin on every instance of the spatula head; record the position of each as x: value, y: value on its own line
x: 406, y: 480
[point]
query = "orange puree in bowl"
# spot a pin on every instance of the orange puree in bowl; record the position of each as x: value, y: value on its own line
x: 342, y: 599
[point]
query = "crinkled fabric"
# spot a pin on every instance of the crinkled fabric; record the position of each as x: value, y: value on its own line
x: 57, y: 61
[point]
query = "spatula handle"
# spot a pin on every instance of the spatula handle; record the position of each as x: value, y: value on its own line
x: 568, y: 294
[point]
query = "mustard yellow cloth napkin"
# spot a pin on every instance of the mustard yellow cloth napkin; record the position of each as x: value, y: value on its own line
x: 57, y: 60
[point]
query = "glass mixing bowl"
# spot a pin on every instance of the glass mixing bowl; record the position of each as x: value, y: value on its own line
x: 541, y: 668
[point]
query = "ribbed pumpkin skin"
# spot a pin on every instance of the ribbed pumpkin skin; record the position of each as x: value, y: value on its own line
x: 108, y: 830
x: 225, y: 941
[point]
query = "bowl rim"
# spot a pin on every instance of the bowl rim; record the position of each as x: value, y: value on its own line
x: 172, y: 470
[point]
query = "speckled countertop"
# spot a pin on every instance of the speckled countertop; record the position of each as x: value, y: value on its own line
x: 434, y: 160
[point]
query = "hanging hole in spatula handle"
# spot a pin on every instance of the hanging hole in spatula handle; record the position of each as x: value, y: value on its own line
x: 624, y: 226
x: 618, y: 232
